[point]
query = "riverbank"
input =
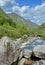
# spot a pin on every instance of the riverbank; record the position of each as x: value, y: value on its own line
x: 12, y: 51
x: 35, y: 56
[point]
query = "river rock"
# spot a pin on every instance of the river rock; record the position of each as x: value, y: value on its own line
x: 41, y: 62
x: 43, y: 41
x: 39, y: 51
x: 27, y: 53
x: 28, y: 62
x: 25, y: 37
x: 21, y: 62
x: 9, y: 51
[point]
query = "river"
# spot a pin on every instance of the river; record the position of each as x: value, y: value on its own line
x: 31, y: 45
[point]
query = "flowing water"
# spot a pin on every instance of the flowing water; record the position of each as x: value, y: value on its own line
x: 30, y: 46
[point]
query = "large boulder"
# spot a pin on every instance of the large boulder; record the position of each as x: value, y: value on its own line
x: 9, y: 51
x: 39, y: 51
x: 27, y: 54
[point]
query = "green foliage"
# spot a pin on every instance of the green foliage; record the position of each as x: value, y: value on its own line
x: 11, y: 29
x: 40, y: 31
x: 18, y: 27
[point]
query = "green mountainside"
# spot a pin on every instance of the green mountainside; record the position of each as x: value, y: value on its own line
x: 10, y: 28
x: 14, y: 26
x: 18, y: 19
x: 40, y: 31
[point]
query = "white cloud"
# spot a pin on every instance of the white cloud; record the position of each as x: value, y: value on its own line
x: 4, y: 2
x: 36, y: 14
x: 22, y: 11
x: 16, y: 8
x: 39, y: 13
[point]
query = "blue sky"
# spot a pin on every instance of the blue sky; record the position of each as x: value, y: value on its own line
x: 30, y: 3
x: 33, y: 10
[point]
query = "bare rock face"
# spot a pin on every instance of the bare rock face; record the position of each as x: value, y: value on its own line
x: 9, y: 51
x: 39, y: 51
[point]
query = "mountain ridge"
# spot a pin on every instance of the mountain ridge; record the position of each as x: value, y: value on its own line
x: 18, y: 19
x: 10, y: 28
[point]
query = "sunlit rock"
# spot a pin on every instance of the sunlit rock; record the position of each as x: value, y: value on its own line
x: 9, y: 51
x: 39, y: 51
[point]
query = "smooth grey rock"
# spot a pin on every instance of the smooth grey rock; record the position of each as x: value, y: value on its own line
x: 41, y: 62
x: 27, y: 53
x: 9, y: 51
x: 43, y: 41
x: 39, y: 51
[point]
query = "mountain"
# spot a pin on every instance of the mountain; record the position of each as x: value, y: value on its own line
x: 4, y: 18
x: 14, y: 26
x: 3, y: 14
x: 40, y: 31
x: 13, y: 29
x: 18, y: 19
x: 42, y: 25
